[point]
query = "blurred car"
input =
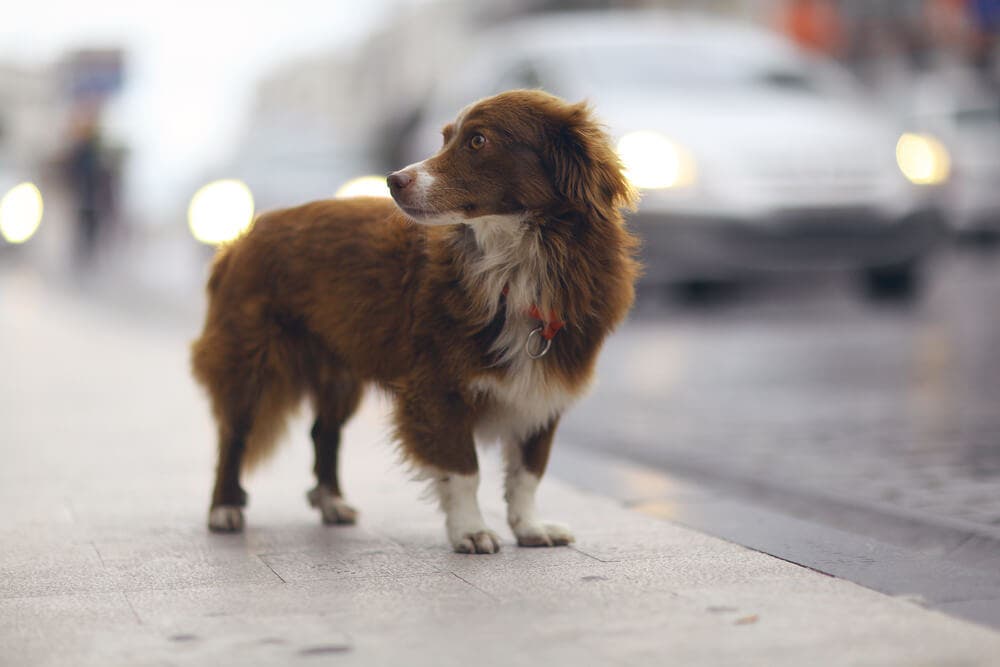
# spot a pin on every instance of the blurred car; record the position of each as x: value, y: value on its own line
x: 750, y: 155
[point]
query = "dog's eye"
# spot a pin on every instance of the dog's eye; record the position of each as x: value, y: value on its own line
x: 477, y: 142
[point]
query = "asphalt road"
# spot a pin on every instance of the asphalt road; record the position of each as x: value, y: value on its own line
x: 806, y: 393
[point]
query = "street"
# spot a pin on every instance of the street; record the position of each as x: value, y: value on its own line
x: 853, y: 437
x: 810, y: 387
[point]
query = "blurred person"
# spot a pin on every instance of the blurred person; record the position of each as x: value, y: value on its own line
x: 85, y: 178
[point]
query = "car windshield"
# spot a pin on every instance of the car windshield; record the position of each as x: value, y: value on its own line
x: 650, y: 66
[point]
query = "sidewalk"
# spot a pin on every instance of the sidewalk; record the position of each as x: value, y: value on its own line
x: 104, y: 559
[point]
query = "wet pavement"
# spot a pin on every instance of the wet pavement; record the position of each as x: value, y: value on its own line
x: 836, y: 407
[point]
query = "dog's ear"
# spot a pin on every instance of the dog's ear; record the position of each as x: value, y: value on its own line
x: 586, y: 169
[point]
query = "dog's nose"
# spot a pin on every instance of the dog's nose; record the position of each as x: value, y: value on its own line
x: 398, y: 180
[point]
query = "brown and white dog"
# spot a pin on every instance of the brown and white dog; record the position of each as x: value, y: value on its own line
x: 482, y: 321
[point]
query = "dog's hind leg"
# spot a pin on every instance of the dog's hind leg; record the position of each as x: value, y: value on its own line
x: 228, y: 497
x: 249, y: 429
x: 336, y: 398
x: 250, y: 404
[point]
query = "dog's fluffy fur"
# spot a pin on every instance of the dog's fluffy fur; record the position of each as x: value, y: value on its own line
x: 519, y: 228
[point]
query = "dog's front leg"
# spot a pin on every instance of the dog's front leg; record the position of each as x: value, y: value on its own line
x: 467, y: 531
x: 436, y: 434
x: 525, y: 464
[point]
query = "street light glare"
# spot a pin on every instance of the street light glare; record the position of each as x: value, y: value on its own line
x: 220, y: 211
x: 20, y: 212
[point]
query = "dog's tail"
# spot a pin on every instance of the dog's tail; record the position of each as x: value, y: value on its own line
x: 242, y: 369
x: 204, y: 350
x: 270, y: 421
x: 251, y: 394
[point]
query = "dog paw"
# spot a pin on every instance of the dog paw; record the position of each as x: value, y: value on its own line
x: 482, y: 541
x: 542, y: 534
x: 334, y: 509
x: 225, y: 519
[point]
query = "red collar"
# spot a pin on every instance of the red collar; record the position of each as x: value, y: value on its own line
x: 551, y: 324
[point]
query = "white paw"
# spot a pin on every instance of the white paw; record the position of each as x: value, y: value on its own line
x: 480, y: 540
x: 542, y: 534
x: 225, y: 519
x: 333, y: 508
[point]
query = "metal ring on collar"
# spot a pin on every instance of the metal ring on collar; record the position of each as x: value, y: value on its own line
x: 545, y: 347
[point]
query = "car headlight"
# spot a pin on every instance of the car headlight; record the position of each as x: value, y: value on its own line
x: 364, y: 186
x: 923, y: 159
x: 220, y: 211
x: 20, y: 212
x: 652, y: 161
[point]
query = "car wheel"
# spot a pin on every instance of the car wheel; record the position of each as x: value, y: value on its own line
x: 892, y: 282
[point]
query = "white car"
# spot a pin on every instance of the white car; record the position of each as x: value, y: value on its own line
x: 749, y: 154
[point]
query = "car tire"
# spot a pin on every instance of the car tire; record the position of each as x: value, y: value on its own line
x: 895, y: 282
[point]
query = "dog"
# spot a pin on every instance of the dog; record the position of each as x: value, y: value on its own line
x: 478, y: 298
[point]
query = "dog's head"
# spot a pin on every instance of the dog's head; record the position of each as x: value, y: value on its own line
x: 518, y: 153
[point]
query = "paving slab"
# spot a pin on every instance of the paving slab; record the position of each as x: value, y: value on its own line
x: 62, y: 629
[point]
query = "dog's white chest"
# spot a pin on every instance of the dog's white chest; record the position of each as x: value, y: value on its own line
x: 521, y: 402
